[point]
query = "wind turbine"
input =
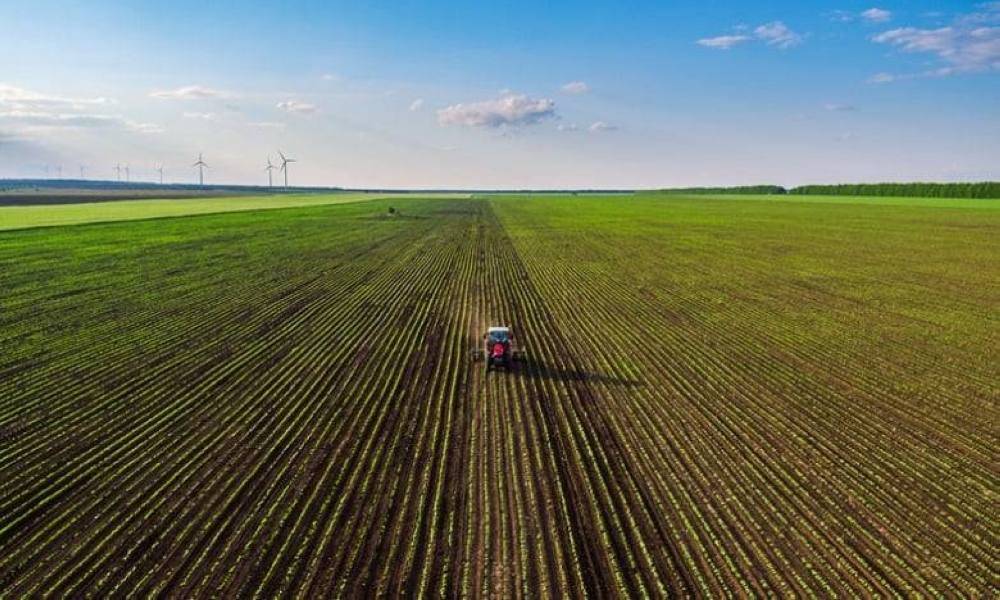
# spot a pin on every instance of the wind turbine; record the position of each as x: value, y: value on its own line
x: 118, y: 172
x: 159, y: 170
x: 128, y: 177
x: 269, y: 168
x: 82, y: 170
x: 284, y: 165
x: 201, y: 170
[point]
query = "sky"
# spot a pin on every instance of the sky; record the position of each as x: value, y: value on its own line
x: 539, y: 94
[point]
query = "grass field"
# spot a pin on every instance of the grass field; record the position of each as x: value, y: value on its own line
x: 721, y: 396
x: 44, y: 215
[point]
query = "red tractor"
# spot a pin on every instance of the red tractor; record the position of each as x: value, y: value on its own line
x: 498, y: 349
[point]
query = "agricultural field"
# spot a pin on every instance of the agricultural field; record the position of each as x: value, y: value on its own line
x: 721, y: 396
x: 102, y: 211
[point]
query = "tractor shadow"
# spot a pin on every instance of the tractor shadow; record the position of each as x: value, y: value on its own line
x: 538, y: 369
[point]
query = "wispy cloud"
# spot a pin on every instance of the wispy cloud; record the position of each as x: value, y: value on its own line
x: 576, y: 87
x: 724, y: 42
x: 29, y: 112
x: 36, y: 120
x: 778, y: 34
x: 839, y: 107
x: 416, y: 104
x: 510, y: 110
x: 601, y: 126
x: 775, y: 34
x: 567, y: 127
x: 297, y: 107
x: 143, y: 127
x: 45, y: 119
x: 22, y: 99
x: 200, y: 115
x: 839, y: 16
x: 190, y: 92
x: 882, y: 78
x: 267, y: 124
x: 876, y: 15
x: 872, y: 15
x: 970, y: 45
x: 329, y: 77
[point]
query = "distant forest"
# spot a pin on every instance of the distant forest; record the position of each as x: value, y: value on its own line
x: 986, y: 189
x: 745, y: 189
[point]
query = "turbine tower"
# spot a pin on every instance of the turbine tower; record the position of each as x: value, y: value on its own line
x: 128, y: 177
x: 118, y: 172
x: 82, y: 170
x: 201, y: 170
x: 159, y: 169
x: 269, y: 168
x: 284, y: 165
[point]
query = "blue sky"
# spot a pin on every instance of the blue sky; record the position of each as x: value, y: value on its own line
x: 525, y: 94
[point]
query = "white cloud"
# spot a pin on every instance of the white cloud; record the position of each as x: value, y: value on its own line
x: 297, y: 107
x: 600, y: 126
x: 417, y: 104
x: 512, y: 110
x: 838, y: 107
x: 840, y: 16
x: 971, y: 44
x: 190, y: 92
x: 44, y: 119
x: 200, y: 115
x: 22, y: 99
x: 576, y: 87
x: 267, y: 124
x: 882, y: 78
x: 29, y: 111
x: 876, y: 15
x: 962, y: 49
x: 36, y: 120
x: 143, y: 127
x: 777, y: 34
x: 567, y: 127
x: 989, y: 14
x: 329, y: 77
x: 724, y: 42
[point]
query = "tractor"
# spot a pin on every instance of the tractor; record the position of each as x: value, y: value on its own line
x: 498, y: 349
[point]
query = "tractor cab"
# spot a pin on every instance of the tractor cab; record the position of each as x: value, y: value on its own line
x: 499, y: 335
x: 497, y: 346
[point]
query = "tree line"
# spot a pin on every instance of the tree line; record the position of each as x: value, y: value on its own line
x: 984, y: 189
x: 743, y: 189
